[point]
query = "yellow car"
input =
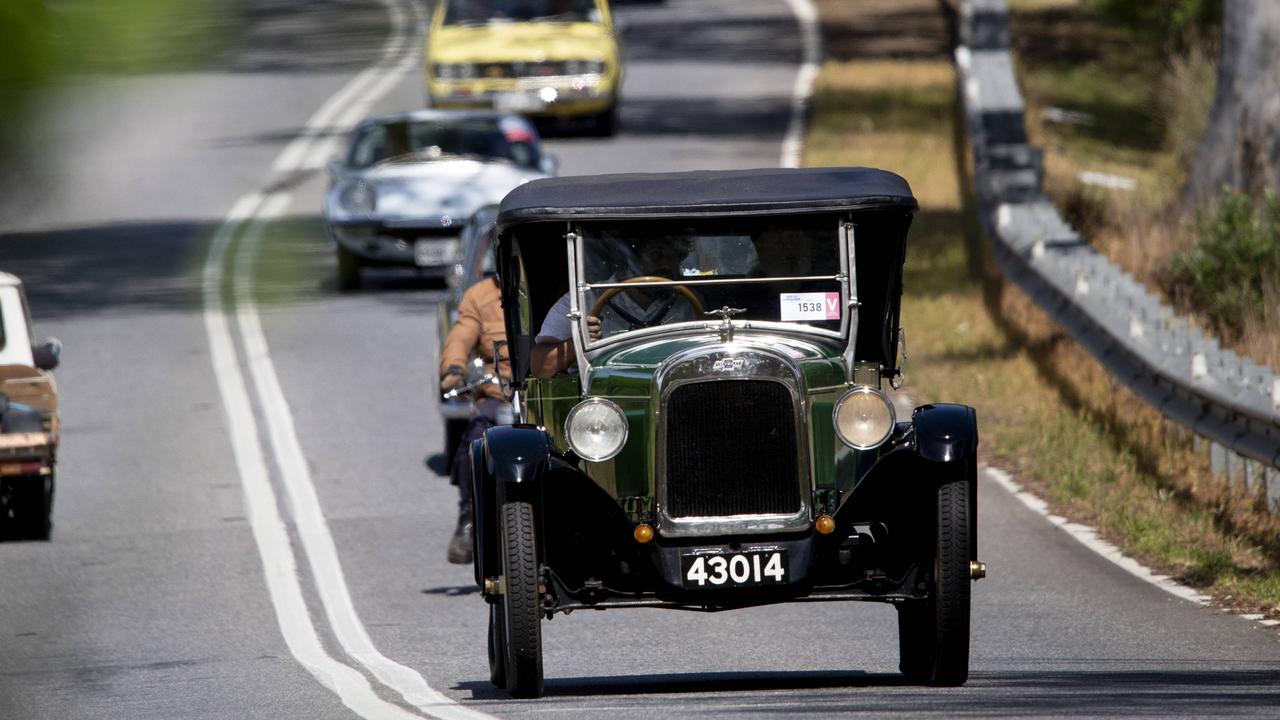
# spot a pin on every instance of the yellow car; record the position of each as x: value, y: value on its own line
x: 549, y: 58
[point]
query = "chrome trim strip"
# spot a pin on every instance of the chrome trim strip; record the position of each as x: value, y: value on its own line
x: 576, y: 326
x: 850, y: 262
x: 761, y: 363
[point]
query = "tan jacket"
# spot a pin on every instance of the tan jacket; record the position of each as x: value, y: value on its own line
x: 478, y: 327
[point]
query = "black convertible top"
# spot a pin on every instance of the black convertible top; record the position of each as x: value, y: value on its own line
x: 705, y: 192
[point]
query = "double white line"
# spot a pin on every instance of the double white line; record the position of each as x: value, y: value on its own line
x: 246, y: 221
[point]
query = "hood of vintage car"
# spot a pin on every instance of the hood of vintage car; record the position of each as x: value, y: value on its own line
x: 448, y: 191
x: 621, y: 370
x: 521, y: 41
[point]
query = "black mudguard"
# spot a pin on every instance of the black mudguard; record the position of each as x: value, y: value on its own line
x: 945, y: 432
x: 507, y: 464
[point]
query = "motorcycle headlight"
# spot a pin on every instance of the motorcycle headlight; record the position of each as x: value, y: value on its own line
x: 359, y: 199
x: 596, y: 429
x: 864, y: 418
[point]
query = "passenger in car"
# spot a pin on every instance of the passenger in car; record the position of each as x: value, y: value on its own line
x: 782, y: 251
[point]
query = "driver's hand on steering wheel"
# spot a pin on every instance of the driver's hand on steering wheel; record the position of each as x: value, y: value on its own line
x: 594, y: 330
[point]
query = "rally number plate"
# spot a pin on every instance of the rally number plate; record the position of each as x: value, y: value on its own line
x: 734, y: 569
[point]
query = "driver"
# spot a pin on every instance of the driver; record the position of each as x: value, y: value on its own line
x: 630, y: 309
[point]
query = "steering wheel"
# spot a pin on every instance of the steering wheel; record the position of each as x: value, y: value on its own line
x: 660, y: 311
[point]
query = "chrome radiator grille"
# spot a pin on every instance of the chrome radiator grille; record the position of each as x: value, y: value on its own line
x: 731, y: 450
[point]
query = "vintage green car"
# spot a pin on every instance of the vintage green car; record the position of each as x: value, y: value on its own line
x: 723, y: 438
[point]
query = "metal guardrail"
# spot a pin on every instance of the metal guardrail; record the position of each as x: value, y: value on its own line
x: 1184, y: 374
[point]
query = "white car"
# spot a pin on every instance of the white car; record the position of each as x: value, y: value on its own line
x: 410, y: 181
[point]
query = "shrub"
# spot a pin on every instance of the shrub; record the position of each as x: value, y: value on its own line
x: 1226, y: 274
x: 1170, y: 22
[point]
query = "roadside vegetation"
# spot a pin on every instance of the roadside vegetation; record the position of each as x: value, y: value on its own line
x: 1123, y: 88
x: 1048, y: 412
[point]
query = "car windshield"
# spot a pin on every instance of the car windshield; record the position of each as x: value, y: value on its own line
x: 480, y: 12
x: 641, y: 275
x: 426, y: 140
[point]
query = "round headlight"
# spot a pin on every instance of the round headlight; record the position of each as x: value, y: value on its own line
x: 360, y: 198
x: 596, y: 429
x: 445, y: 71
x: 864, y: 418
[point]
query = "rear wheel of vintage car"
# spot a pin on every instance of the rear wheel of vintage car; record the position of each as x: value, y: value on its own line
x: 497, y: 648
x: 933, y: 634
x: 348, y: 269
x: 521, y: 607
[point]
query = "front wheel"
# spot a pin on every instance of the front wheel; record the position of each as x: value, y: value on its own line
x: 520, y: 604
x: 348, y: 269
x: 933, y: 634
x: 497, y: 648
x: 605, y: 124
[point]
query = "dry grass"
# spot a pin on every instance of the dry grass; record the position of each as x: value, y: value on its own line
x: 1149, y: 111
x: 1048, y: 411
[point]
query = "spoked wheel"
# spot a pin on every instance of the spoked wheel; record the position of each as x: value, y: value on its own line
x: 520, y: 604
x: 497, y: 648
x: 933, y: 634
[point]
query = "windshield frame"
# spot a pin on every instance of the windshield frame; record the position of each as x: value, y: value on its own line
x: 589, y: 349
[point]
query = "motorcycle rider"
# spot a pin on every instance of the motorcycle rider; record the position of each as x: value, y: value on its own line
x: 478, y: 327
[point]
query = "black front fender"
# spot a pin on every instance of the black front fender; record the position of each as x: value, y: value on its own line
x: 945, y: 432
x: 507, y: 464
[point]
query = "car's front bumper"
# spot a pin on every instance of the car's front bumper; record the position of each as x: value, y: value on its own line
x: 560, y: 96
x: 426, y: 247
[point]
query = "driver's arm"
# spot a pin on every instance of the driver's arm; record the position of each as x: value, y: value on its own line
x: 552, y: 354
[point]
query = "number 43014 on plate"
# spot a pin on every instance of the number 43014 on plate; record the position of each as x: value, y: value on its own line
x: 740, y: 569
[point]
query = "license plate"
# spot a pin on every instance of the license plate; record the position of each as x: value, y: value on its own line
x: 734, y: 569
x: 431, y: 253
x: 517, y: 102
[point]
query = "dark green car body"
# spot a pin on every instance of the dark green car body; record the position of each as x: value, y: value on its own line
x: 731, y: 485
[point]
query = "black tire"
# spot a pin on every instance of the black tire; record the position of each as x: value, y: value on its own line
x: 520, y: 604
x: 26, y: 508
x: 453, y: 432
x: 348, y: 270
x: 605, y: 124
x: 497, y: 648
x: 933, y: 634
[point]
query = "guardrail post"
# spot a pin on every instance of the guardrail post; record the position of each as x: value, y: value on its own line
x: 1273, y: 489
x: 1217, y: 459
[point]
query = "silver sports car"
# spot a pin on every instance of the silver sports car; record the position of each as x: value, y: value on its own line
x: 410, y: 181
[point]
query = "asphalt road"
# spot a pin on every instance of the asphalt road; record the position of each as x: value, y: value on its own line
x: 151, y: 601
